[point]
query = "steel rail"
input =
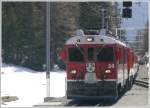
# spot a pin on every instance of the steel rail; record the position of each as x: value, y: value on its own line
x: 142, y: 83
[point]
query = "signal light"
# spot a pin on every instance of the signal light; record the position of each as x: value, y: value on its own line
x: 127, y: 11
x: 127, y: 4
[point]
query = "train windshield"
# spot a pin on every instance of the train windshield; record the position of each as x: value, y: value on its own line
x: 76, y: 54
x: 105, y: 54
x: 90, y: 54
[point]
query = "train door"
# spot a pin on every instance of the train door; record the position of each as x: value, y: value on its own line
x: 90, y: 76
x: 121, y: 73
x: 129, y: 62
x: 125, y: 69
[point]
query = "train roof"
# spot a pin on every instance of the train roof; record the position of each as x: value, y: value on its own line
x: 94, y: 39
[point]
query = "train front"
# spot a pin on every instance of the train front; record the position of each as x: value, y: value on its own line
x: 90, y: 65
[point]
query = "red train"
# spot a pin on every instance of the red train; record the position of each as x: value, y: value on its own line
x: 98, y: 66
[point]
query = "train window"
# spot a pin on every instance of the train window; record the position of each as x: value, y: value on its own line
x: 121, y: 58
x: 90, y: 54
x: 106, y: 54
x: 75, y: 54
x: 125, y: 56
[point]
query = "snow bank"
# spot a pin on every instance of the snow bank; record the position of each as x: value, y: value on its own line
x: 28, y: 86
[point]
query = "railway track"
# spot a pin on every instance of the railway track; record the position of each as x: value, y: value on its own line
x: 141, y: 83
x: 95, y: 103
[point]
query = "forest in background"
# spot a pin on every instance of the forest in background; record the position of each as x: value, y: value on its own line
x: 24, y: 26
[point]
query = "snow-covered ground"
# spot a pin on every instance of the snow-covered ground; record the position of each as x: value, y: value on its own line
x: 28, y: 86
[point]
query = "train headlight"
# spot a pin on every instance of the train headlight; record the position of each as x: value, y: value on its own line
x: 73, y: 72
x: 90, y: 39
x: 107, y: 71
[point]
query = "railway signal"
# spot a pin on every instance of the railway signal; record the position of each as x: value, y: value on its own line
x: 127, y: 11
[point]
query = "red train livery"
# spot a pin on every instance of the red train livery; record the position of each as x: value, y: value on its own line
x: 98, y: 66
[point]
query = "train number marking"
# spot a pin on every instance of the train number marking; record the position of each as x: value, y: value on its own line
x: 111, y: 66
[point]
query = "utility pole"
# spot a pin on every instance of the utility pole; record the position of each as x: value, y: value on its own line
x: 48, y: 49
x: 103, y: 31
x: 103, y: 19
x: 149, y: 50
x: 116, y: 19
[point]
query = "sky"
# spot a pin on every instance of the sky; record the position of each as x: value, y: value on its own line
x: 138, y: 20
